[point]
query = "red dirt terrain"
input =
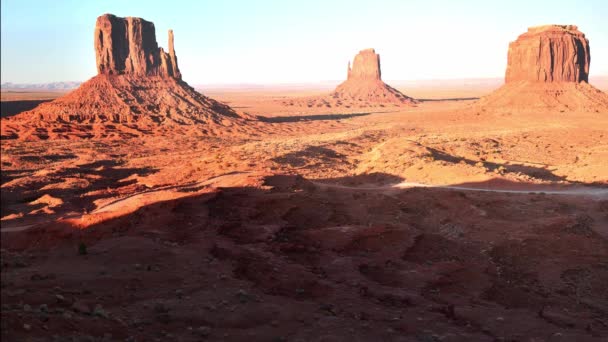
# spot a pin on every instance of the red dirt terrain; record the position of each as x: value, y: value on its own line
x: 451, y: 220
x: 125, y: 106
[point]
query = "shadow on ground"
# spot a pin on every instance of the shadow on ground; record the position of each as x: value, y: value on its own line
x: 531, y: 171
x: 449, y: 99
x: 452, y: 261
x: 316, y: 117
x: 10, y: 108
x: 77, y: 187
x: 311, y: 156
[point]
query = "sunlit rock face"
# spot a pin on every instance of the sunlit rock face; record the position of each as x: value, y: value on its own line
x: 138, y: 91
x: 550, y: 53
x: 547, y: 71
x: 128, y: 46
x: 366, y: 66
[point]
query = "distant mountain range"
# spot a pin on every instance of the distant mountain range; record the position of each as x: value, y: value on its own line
x: 40, y: 86
x: 598, y: 81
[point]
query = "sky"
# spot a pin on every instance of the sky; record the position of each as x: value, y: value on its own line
x: 286, y: 41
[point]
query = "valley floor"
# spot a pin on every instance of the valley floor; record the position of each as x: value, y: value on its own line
x: 320, y: 226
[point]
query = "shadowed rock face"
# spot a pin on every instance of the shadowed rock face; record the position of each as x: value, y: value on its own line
x: 128, y: 46
x: 366, y: 66
x: 551, y: 53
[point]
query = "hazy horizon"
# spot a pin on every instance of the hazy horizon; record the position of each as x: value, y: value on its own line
x: 272, y: 42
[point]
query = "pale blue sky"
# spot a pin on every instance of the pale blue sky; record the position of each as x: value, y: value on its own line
x: 286, y: 41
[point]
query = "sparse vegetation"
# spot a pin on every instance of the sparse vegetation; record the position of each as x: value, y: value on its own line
x: 82, y: 249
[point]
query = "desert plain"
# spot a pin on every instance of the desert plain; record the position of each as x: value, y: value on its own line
x: 311, y: 218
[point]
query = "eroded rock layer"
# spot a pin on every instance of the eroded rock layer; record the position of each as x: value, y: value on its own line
x: 525, y: 96
x: 125, y: 106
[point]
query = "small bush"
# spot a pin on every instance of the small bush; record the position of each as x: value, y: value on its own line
x: 82, y: 249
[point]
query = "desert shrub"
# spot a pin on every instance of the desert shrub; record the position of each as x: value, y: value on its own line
x: 82, y: 249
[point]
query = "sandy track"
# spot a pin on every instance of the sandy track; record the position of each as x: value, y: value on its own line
x: 587, y: 191
x: 137, y: 200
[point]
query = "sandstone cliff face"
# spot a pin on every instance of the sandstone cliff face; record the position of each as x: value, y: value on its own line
x: 551, y: 53
x: 366, y: 66
x: 128, y: 46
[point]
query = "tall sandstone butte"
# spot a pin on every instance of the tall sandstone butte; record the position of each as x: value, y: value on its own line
x: 547, y: 70
x: 138, y: 90
x: 128, y: 46
x: 364, y: 86
x: 366, y: 66
x: 550, y: 53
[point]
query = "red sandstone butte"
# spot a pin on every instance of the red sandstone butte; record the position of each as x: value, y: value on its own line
x: 363, y: 88
x: 138, y: 90
x: 364, y: 82
x: 547, y: 70
x: 550, y: 53
x: 366, y: 66
x: 128, y: 46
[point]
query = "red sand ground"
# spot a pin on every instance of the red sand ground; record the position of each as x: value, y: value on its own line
x: 293, y: 231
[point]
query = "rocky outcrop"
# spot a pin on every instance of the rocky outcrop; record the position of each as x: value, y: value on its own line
x: 547, y: 70
x: 366, y: 66
x: 128, y: 46
x: 138, y: 91
x: 551, y: 53
x: 364, y: 86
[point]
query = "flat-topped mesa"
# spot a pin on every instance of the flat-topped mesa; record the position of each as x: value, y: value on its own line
x: 366, y: 66
x: 128, y: 46
x: 550, y: 53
